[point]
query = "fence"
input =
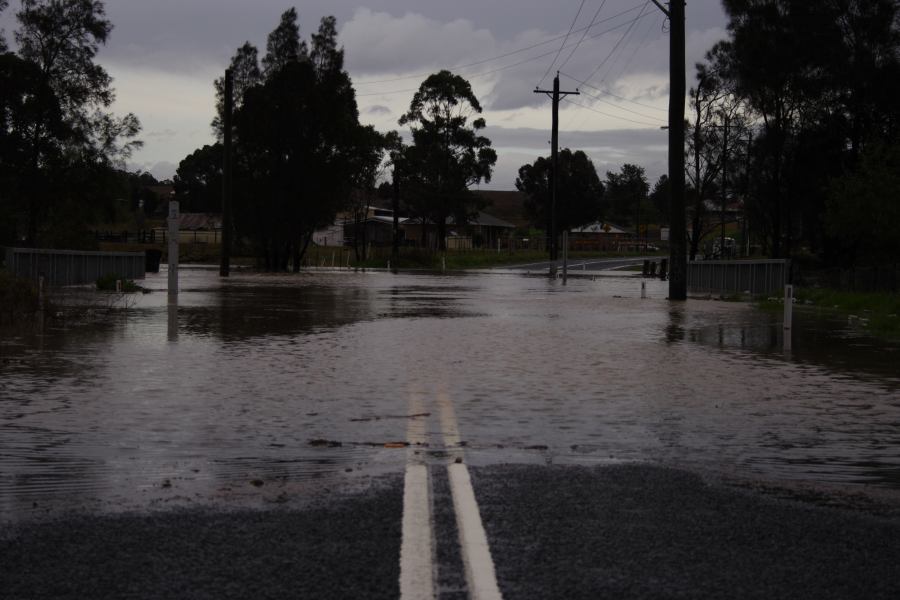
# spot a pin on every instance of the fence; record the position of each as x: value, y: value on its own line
x: 72, y: 267
x: 757, y: 277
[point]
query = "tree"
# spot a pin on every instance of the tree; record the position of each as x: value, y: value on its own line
x: 245, y: 74
x: 580, y: 190
x: 627, y: 192
x: 198, y: 180
x: 61, y: 38
x: 31, y: 131
x: 284, y: 45
x: 819, y: 78
x: 863, y: 212
x: 661, y: 198
x: 447, y: 154
x: 300, y: 150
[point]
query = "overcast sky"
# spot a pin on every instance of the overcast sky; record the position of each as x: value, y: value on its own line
x: 165, y: 54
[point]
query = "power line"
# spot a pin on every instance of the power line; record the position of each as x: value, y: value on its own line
x: 602, y: 91
x: 594, y: 18
x: 634, y: 112
x: 600, y: 112
x: 503, y: 68
x: 619, y: 43
x: 513, y: 52
x: 566, y: 39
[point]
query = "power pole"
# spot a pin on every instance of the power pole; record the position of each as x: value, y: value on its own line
x: 554, y: 95
x: 677, y: 240
x: 395, y: 205
x: 724, y: 186
x: 225, y: 265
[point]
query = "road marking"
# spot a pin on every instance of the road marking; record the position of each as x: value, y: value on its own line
x: 480, y: 575
x: 416, y: 572
x: 416, y: 548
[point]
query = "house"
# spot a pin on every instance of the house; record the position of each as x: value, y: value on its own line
x: 600, y: 236
x: 481, y: 231
x: 508, y: 206
x: 376, y: 228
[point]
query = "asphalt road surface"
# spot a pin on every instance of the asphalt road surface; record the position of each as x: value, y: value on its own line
x: 625, y: 531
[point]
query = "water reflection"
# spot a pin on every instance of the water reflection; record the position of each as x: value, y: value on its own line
x: 231, y: 386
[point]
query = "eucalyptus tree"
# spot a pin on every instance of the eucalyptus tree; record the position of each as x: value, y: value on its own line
x: 447, y: 153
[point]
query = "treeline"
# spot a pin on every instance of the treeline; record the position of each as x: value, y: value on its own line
x: 61, y: 149
x: 796, y: 112
x: 301, y: 156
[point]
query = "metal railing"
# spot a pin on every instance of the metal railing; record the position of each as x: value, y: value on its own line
x: 755, y: 277
x: 73, y: 267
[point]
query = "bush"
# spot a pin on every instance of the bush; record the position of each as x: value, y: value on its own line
x: 18, y: 297
x: 107, y: 283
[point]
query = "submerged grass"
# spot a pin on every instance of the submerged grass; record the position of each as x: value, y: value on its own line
x: 877, y: 312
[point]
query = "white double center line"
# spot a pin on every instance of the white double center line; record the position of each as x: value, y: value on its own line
x: 416, y: 566
x: 480, y: 575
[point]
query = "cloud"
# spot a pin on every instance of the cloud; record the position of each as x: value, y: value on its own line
x: 377, y: 110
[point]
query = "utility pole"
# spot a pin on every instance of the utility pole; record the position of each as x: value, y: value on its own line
x: 395, y: 205
x: 554, y: 95
x: 225, y: 265
x: 677, y: 241
x: 724, y: 186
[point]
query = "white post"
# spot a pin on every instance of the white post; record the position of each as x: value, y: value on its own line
x: 643, y: 289
x: 565, y: 245
x: 118, y: 286
x: 332, y: 260
x: 389, y: 266
x: 788, y: 314
x: 173, y: 252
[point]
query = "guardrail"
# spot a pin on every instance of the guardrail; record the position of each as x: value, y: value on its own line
x: 756, y: 277
x: 73, y: 267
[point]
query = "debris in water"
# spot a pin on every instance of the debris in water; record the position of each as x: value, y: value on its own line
x: 257, y: 482
x: 320, y: 443
x: 396, y: 444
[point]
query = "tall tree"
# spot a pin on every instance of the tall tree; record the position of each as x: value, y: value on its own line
x: 447, y: 153
x: 198, y: 180
x: 580, y: 190
x: 627, y: 192
x: 661, y: 198
x: 300, y: 149
x: 284, y: 45
x: 62, y: 38
x: 246, y: 73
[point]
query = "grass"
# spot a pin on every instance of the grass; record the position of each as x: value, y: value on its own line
x: 877, y: 312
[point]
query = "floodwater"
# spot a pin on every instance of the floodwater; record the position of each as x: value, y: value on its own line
x: 283, y: 381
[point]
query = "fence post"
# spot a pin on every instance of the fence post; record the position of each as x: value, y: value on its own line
x: 173, y: 252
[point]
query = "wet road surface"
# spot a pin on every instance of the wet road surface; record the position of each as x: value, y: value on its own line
x: 270, y: 392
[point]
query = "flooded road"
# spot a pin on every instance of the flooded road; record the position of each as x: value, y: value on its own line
x: 267, y: 384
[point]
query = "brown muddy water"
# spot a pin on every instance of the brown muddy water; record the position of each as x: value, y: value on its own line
x: 226, y: 393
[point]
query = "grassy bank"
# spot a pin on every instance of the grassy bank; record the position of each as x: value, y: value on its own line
x: 877, y: 312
